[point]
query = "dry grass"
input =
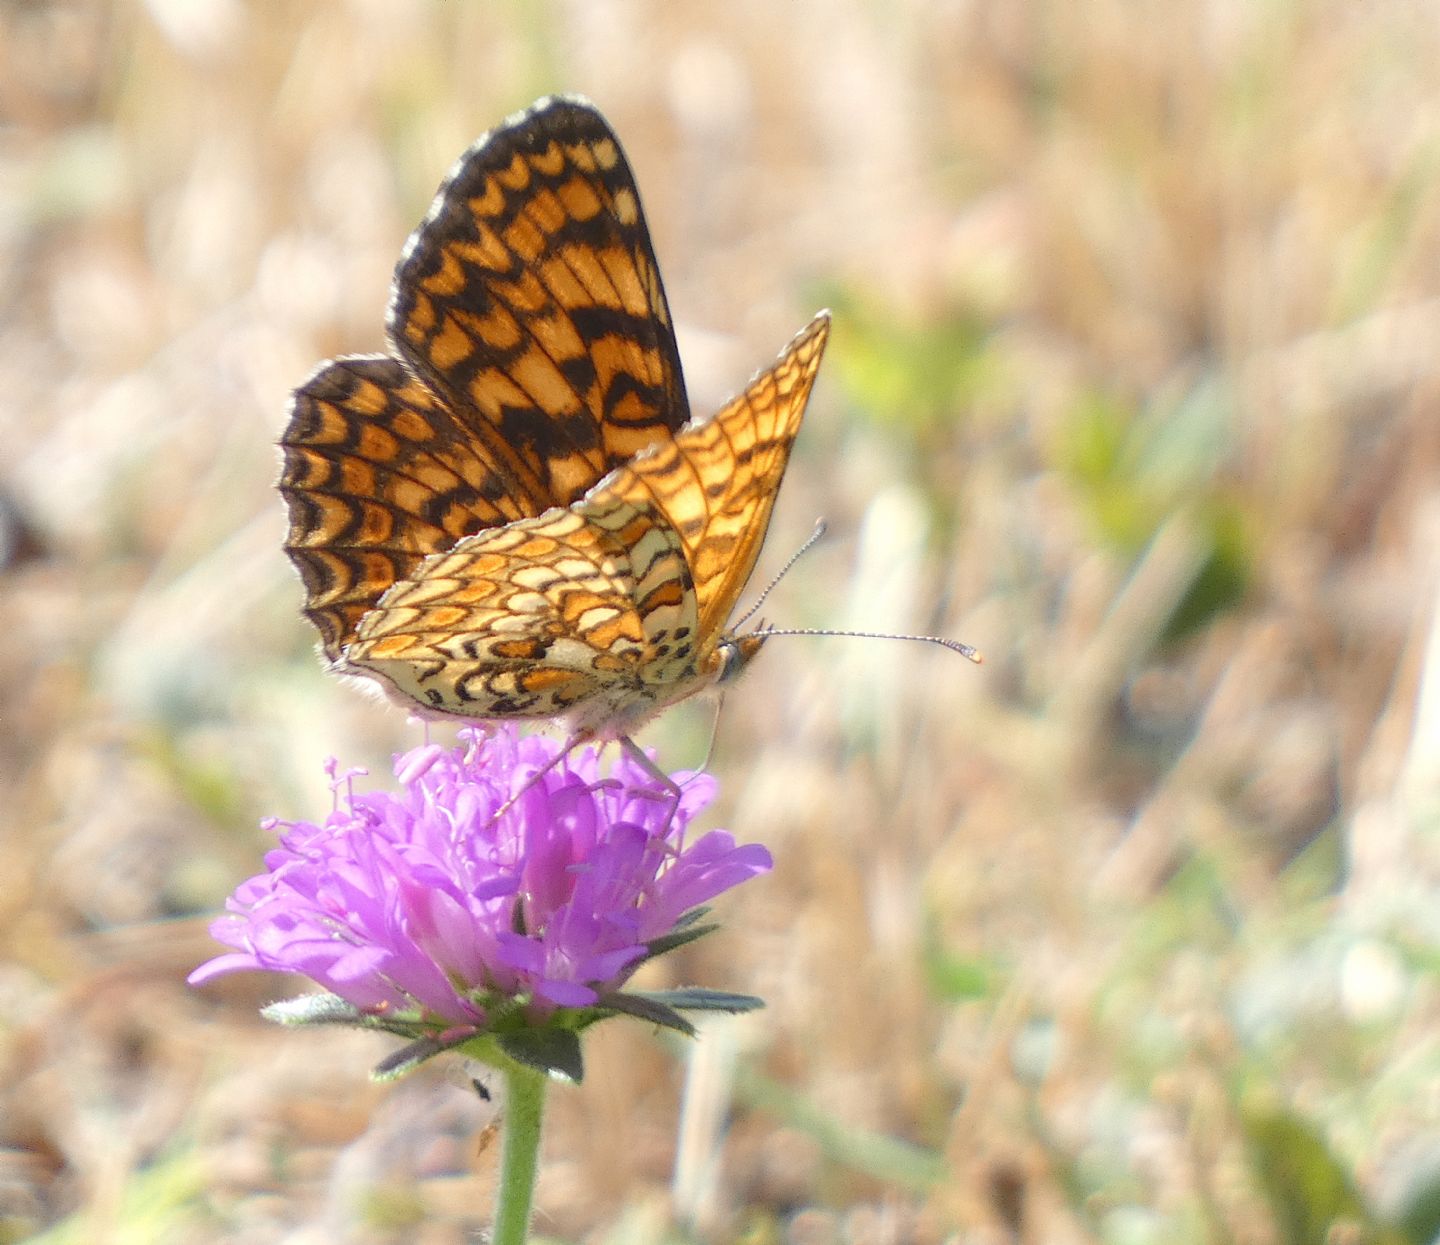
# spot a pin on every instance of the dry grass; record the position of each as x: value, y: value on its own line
x: 1129, y: 936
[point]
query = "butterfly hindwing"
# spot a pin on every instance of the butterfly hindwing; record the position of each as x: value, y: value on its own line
x: 528, y: 620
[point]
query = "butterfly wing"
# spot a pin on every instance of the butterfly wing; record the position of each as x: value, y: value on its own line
x: 530, y: 295
x: 378, y: 474
x: 607, y: 610
x: 530, y: 620
x: 535, y: 353
x: 716, y: 482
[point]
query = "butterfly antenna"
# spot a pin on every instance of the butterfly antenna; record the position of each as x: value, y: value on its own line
x: 780, y: 574
x: 965, y: 650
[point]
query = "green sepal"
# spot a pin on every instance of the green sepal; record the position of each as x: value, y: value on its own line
x: 551, y: 1050
x: 677, y: 937
x: 408, y: 1058
x: 330, y: 1009
x: 699, y: 999
x: 647, y: 1007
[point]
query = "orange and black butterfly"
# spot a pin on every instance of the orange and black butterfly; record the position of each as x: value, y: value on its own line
x: 512, y: 515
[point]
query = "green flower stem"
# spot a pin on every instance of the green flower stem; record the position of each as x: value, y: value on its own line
x: 519, y: 1159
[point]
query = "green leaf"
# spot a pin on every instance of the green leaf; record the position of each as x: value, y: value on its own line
x: 953, y: 978
x: 1419, y: 1217
x: 552, y: 1051
x: 1307, y: 1187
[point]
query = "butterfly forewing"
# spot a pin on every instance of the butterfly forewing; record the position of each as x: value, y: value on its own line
x: 531, y: 295
x: 537, y: 354
x: 716, y: 483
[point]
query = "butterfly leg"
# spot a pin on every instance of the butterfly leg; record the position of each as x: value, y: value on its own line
x: 572, y: 741
x: 669, y: 788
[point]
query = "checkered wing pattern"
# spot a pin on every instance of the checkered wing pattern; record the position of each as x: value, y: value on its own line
x: 614, y: 607
x: 533, y: 353
x: 511, y: 515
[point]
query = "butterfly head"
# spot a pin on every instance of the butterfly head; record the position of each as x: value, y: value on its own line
x: 733, y: 654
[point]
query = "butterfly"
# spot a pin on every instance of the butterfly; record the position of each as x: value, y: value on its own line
x: 512, y: 514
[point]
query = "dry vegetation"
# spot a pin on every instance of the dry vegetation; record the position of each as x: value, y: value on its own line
x: 1130, y: 935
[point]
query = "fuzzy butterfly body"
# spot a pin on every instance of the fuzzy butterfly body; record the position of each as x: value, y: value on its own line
x: 512, y: 515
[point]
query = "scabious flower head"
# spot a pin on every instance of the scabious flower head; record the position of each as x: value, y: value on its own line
x: 499, y: 878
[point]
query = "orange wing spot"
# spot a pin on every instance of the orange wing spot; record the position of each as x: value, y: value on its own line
x: 450, y: 346
x: 516, y: 176
x: 490, y: 202
x: 538, y: 377
x: 390, y: 647
x: 448, y: 280
x: 358, y: 478
x: 368, y: 399
x: 499, y: 330
x: 546, y: 210
x: 522, y: 237
x: 582, y: 157
x: 445, y: 618
x: 670, y: 593
x: 551, y: 160
x: 572, y: 474
x: 477, y: 591
x: 377, y: 444
x: 517, y: 650
x: 547, y: 679
x: 557, y: 333
x: 582, y: 203
x: 376, y: 524
x: 331, y: 427
x: 535, y: 549
x: 584, y: 263
x: 490, y: 252
x: 376, y: 568
x: 560, y: 281
x: 492, y: 389
x: 607, y: 636
x: 526, y: 295
x: 607, y: 153
x: 412, y: 426
x: 622, y: 276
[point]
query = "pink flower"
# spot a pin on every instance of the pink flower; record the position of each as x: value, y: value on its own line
x: 478, y: 889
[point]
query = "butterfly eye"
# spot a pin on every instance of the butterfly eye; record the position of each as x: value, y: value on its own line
x: 734, y: 654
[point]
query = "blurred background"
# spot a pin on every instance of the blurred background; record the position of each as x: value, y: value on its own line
x: 1130, y: 935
